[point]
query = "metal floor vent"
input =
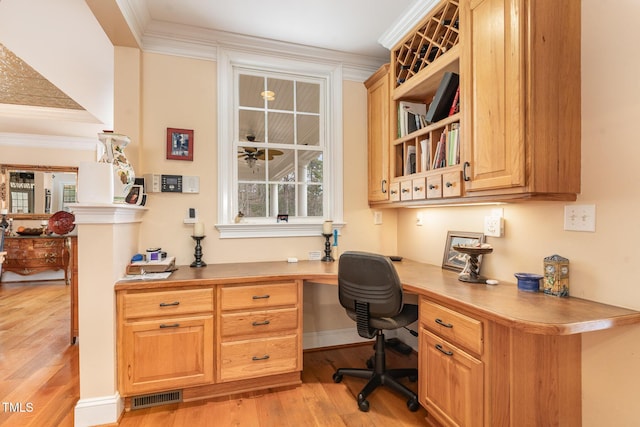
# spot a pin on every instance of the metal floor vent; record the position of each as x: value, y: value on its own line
x: 149, y: 400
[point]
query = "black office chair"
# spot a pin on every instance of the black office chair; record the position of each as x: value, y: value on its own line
x: 371, y: 292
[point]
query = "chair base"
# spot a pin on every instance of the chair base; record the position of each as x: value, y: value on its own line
x: 379, y: 376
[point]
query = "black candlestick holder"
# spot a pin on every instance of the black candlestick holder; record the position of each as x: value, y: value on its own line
x: 327, y: 248
x: 198, y: 253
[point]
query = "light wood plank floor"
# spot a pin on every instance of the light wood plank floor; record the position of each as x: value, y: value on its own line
x: 39, y: 367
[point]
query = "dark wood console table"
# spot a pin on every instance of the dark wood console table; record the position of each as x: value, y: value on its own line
x: 27, y: 255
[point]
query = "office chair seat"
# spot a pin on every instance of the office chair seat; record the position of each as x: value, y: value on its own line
x: 371, y: 293
x: 408, y: 315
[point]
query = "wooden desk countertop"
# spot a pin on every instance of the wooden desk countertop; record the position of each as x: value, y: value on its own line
x: 503, y: 303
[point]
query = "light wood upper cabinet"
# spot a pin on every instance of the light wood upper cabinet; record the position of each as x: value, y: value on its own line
x: 520, y: 68
x: 378, y: 105
x: 519, y: 119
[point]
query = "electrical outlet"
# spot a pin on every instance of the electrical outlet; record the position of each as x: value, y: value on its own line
x: 493, y: 226
x: 377, y: 218
x: 580, y: 217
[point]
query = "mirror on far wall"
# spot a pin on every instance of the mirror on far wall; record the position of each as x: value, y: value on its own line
x: 36, y: 192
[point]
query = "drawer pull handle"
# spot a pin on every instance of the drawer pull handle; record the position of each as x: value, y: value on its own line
x: 255, y: 358
x: 261, y: 296
x: 169, y: 304
x: 266, y: 322
x: 442, y: 350
x: 175, y: 325
x: 446, y: 325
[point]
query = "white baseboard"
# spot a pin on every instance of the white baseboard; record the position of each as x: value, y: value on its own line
x: 335, y: 337
x: 98, y: 410
x: 321, y: 339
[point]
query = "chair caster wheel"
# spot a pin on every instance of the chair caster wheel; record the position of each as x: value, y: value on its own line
x: 413, y: 405
x: 337, y: 377
x: 413, y: 378
x: 363, y: 405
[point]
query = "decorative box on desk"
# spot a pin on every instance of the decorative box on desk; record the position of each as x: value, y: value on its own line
x: 556, y: 276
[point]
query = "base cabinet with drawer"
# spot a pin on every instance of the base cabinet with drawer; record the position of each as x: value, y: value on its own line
x: 209, y: 340
x: 155, y: 330
x: 260, y: 330
x: 450, y: 346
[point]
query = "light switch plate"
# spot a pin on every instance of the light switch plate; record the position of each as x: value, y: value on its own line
x: 580, y: 218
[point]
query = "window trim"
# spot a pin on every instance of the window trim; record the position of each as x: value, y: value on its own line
x: 227, y: 176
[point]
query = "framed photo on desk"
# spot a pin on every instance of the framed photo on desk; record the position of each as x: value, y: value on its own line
x: 454, y: 260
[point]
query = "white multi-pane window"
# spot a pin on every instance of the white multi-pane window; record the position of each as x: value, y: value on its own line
x: 280, y: 145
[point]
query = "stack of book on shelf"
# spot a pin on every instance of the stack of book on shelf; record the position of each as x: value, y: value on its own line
x: 160, y: 266
x: 447, y: 152
x: 425, y: 154
x: 444, y: 98
x: 411, y: 117
x: 410, y: 161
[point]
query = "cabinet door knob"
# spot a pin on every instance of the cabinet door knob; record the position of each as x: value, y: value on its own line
x: 394, y: 192
x: 464, y: 171
x: 384, y: 183
x: 261, y: 296
x: 441, y: 323
x: 405, y: 190
x: 265, y: 357
x: 417, y: 188
x: 442, y: 350
x: 432, y: 187
x: 448, y: 184
x: 174, y: 325
x: 266, y: 322
x: 169, y: 304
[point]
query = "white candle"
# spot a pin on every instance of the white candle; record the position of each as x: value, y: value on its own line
x: 327, y: 227
x: 198, y: 229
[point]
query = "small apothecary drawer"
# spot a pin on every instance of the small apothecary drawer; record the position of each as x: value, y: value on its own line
x: 257, y: 296
x: 167, y: 303
x: 258, y: 358
x: 259, y: 322
x: 451, y: 325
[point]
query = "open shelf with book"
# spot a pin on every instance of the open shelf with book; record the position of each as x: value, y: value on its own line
x: 425, y: 69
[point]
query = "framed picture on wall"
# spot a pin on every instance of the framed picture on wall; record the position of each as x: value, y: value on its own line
x: 454, y: 260
x: 179, y: 144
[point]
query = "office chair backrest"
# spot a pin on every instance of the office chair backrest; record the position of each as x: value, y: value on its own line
x: 369, y: 278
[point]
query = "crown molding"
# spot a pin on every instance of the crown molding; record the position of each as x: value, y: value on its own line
x: 406, y: 22
x: 200, y: 43
x: 48, y: 141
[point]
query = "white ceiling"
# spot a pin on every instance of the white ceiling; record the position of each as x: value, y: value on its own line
x: 351, y: 26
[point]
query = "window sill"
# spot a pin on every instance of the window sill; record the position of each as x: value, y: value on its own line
x: 256, y: 230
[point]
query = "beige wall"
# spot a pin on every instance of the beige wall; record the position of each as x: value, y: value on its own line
x: 602, y: 263
x: 172, y: 101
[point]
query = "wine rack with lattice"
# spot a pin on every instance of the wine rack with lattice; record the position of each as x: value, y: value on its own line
x: 438, y: 33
